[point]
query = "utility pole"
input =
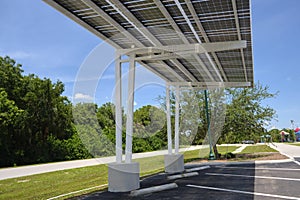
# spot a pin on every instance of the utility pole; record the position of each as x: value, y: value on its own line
x: 211, y: 154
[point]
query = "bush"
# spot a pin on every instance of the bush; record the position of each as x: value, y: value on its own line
x: 70, y: 149
x: 229, y: 155
x: 140, y: 145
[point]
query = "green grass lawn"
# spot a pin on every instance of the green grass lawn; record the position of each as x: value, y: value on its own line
x: 257, y: 149
x: 203, y: 153
x: 42, y: 186
x: 47, y: 185
x: 295, y: 144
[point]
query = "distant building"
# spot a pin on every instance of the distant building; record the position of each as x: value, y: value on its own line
x: 297, y: 134
x: 285, y: 136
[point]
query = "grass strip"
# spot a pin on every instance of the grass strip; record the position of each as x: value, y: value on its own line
x: 257, y: 149
x: 203, y: 153
x: 295, y: 144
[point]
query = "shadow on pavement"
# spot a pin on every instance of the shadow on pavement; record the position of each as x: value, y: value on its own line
x: 214, y: 177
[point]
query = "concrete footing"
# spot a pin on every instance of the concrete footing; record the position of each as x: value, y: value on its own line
x: 123, y: 177
x: 174, y: 163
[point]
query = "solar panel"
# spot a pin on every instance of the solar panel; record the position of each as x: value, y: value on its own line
x: 147, y: 24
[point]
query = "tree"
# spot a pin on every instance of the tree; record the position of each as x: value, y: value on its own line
x: 148, y: 120
x: 97, y: 137
x: 106, y: 115
x: 11, y: 78
x: 275, y: 134
x: 10, y: 116
x: 246, y: 115
x: 32, y: 110
x: 235, y: 114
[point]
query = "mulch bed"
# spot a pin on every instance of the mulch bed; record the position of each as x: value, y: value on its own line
x: 246, y: 157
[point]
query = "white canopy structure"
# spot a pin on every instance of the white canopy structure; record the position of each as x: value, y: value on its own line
x: 194, y: 43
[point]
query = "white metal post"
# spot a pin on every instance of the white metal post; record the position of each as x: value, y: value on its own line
x: 118, y: 104
x: 169, y: 130
x: 130, y: 106
x: 177, y: 120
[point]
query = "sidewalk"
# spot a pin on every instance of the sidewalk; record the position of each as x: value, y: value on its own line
x: 15, y: 172
x: 291, y: 151
x: 240, y: 149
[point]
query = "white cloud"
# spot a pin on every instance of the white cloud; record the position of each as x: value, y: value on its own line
x: 135, y: 103
x: 83, y: 97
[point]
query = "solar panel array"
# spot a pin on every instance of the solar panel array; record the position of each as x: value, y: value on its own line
x: 154, y: 23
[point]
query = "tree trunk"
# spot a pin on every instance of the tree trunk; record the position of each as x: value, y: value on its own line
x: 216, y: 152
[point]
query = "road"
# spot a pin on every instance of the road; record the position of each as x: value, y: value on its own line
x: 287, y: 149
x: 291, y: 151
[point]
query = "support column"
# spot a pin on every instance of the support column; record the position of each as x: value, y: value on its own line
x: 130, y: 107
x: 169, y: 126
x: 177, y: 120
x: 118, y: 104
x: 174, y: 163
x: 124, y: 177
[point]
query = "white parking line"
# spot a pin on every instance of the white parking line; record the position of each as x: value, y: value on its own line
x: 247, y: 176
x: 297, y: 162
x: 291, y: 157
x: 260, y: 168
x: 243, y: 192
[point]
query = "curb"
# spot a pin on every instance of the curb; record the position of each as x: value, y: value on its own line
x: 196, y: 169
x: 183, y: 175
x: 241, y: 162
x: 153, y: 189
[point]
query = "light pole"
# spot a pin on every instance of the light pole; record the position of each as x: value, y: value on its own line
x: 293, y: 124
x: 211, y: 154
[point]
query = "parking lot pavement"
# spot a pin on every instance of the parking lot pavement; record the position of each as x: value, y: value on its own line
x: 224, y: 181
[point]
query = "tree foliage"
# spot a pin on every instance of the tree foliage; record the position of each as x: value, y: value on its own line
x: 235, y: 114
x: 246, y: 115
x: 39, y: 124
x: 34, y: 117
x: 97, y: 136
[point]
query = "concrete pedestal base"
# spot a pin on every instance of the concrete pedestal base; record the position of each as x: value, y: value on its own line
x: 174, y: 163
x: 123, y: 177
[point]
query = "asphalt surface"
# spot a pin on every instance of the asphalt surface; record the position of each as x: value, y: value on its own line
x: 223, y: 181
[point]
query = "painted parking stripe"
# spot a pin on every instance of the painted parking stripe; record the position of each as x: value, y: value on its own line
x: 247, y: 176
x: 297, y: 162
x: 291, y: 157
x: 260, y: 168
x: 244, y: 192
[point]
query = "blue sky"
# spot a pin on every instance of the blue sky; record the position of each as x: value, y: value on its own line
x: 50, y: 45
